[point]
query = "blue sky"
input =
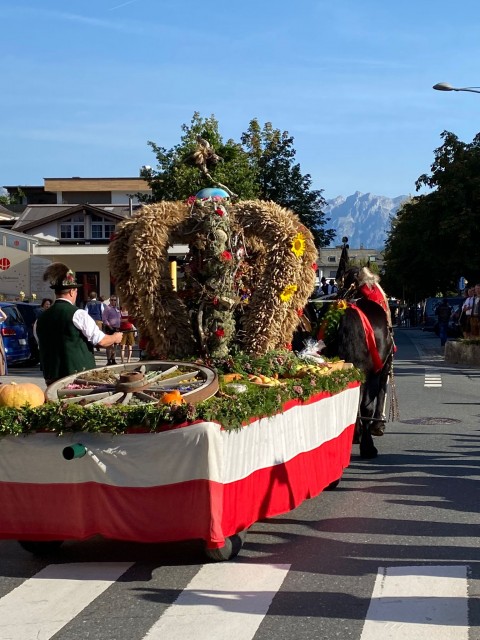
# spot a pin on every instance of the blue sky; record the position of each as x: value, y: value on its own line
x: 85, y: 85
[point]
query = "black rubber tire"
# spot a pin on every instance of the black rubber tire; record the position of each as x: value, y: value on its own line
x: 333, y: 485
x: 41, y: 547
x: 232, y: 548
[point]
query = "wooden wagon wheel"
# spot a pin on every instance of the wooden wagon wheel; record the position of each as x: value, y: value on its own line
x: 138, y: 383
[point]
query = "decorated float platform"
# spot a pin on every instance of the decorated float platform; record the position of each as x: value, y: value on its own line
x: 194, y: 481
x: 222, y: 426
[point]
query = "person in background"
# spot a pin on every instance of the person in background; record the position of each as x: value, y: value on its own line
x: 332, y: 286
x: 111, y: 325
x: 3, y: 355
x: 95, y: 309
x: 443, y: 312
x: 466, y: 313
x: 324, y: 286
x: 475, y: 316
x: 45, y: 304
x: 67, y: 334
x: 128, y: 329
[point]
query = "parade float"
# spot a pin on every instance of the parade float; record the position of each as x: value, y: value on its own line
x: 220, y: 426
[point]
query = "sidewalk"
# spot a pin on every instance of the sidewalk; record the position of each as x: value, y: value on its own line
x: 20, y: 373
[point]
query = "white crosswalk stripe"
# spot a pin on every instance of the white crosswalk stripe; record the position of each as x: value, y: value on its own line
x: 42, y: 605
x: 232, y: 599
x: 420, y: 602
x: 432, y: 378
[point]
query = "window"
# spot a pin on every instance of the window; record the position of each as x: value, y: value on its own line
x: 102, y: 228
x: 73, y: 228
x: 331, y: 259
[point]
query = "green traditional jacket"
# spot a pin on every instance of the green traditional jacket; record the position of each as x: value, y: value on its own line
x: 64, y: 350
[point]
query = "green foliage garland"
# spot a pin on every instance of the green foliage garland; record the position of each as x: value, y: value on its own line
x: 229, y: 408
x: 329, y: 326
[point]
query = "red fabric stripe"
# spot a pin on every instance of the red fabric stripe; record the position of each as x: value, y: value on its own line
x: 270, y: 492
x: 183, y: 511
x: 187, y: 510
x: 369, y: 337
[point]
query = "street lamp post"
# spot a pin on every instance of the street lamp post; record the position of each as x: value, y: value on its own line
x: 445, y: 86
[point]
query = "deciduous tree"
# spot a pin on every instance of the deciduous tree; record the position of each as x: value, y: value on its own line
x: 433, y: 239
x: 261, y: 166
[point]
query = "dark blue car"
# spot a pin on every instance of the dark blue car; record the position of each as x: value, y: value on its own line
x: 14, y: 334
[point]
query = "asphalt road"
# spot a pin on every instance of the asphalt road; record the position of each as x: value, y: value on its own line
x: 406, y: 523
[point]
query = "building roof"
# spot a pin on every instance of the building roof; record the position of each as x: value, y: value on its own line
x: 96, y: 184
x: 39, y: 214
x: 6, y: 213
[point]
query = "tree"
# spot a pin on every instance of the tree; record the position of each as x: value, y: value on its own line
x: 11, y: 199
x: 260, y: 167
x: 272, y: 157
x: 432, y: 241
x: 173, y: 179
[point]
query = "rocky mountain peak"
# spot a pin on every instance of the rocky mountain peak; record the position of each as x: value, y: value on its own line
x: 363, y: 217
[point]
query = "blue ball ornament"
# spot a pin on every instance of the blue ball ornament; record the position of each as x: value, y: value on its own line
x: 210, y: 192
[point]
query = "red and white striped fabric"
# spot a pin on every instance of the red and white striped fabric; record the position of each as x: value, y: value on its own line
x: 197, y: 481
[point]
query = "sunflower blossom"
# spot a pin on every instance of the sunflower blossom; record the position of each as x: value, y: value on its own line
x: 298, y: 245
x: 288, y: 292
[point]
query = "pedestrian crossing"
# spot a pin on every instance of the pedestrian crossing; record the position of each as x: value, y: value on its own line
x: 433, y: 379
x: 44, y: 604
x: 230, y: 600
x: 422, y: 603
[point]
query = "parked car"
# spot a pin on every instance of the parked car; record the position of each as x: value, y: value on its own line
x: 30, y: 312
x: 14, y: 334
x: 429, y: 319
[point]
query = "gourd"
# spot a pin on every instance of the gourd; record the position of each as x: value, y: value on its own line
x: 18, y: 395
x: 172, y: 397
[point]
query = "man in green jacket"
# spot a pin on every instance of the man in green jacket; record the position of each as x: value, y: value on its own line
x: 67, y: 334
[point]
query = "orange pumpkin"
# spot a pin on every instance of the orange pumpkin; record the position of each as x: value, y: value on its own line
x: 231, y: 377
x: 18, y: 395
x: 172, y: 397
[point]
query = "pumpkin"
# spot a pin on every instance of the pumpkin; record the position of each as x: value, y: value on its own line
x: 18, y: 395
x: 231, y: 377
x: 172, y: 397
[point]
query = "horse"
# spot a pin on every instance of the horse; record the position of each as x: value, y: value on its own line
x: 364, y: 338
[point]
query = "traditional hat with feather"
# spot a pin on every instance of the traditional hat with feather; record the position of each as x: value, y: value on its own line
x: 61, y: 278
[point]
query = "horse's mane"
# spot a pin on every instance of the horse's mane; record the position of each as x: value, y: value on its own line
x: 365, y: 276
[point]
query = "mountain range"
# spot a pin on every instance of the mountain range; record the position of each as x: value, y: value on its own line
x: 363, y: 218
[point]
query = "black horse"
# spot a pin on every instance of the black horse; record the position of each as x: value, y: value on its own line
x: 375, y: 361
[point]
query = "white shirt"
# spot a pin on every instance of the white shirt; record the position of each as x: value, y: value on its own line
x: 468, y: 305
x: 87, y: 325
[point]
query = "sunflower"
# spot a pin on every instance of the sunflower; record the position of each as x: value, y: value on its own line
x: 298, y: 245
x: 288, y: 292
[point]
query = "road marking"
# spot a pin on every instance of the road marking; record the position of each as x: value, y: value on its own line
x: 420, y: 602
x: 222, y: 600
x: 42, y: 605
x: 432, y: 379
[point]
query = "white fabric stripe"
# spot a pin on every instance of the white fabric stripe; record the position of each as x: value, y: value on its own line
x: 41, y: 606
x: 140, y: 460
x: 194, y: 452
x: 266, y: 443
x: 419, y: 602
x: 226, y: 600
